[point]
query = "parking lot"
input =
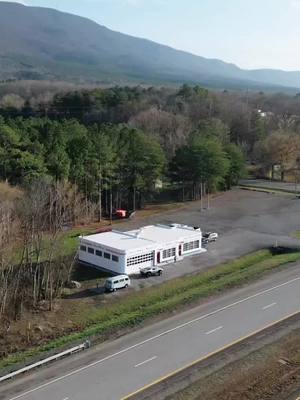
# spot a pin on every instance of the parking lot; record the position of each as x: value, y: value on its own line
x: 245, y: 220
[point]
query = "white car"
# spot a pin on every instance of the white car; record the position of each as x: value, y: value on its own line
x: 211, y: 236
x: 151, y: 271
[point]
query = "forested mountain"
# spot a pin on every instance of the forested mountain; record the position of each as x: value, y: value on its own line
x: 42, y: 43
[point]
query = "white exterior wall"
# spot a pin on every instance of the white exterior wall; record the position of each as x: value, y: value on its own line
x: 176, y: 245
x: 131, y: 260
x: 191, y: 240
x: 101, y: 262
x: 167, y: 247
x: 134, y: 268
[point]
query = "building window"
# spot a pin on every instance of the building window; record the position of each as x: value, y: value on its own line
x: 83, y: 248
x: 168, y: 253
x: 98, y: 253
x: 107, y: 256
x: 91, y: 251
x: 191, y: 245
x: 140, y: 259
x: 115, y: 258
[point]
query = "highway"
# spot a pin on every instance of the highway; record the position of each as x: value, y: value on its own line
x: 115, y: 370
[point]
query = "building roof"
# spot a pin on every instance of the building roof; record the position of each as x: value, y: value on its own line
x: 164, y: 233
x: 148, y: 237
x: 119, y: 240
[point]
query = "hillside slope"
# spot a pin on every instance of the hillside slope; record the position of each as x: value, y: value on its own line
x: 42, y: 43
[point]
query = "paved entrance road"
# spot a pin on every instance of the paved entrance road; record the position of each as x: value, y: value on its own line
x: 262, y: 183
x: 138, y: 360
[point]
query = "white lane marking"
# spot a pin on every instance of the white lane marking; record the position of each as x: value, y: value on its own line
x: 66, y: 398
x: 155, y: 337
x: 214, y: 330
x: 269, y: 306
x: 145, y: 362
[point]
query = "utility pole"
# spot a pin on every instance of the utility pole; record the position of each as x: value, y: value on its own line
x: 201, y: 196
x: 208, y: 198
x: 110, y: 206
x: 100, y: 194
x: 100, y: 200
x: 134, y: 206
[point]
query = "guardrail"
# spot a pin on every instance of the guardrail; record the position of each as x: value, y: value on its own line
x: 45, y: 361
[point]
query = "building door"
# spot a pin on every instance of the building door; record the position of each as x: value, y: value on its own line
x: 180, y: 250
x: 158, y: 257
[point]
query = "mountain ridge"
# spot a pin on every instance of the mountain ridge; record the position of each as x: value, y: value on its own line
x: 55, y: 45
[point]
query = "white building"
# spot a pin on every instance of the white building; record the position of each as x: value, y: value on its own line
x: 127, y: 252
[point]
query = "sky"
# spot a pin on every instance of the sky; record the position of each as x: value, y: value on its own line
x: 249, y: 33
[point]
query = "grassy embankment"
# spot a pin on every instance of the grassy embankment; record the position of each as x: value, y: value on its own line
x: 137, y: 307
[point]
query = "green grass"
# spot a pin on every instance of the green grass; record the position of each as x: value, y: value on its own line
x: 66, y: 245
x: 69, y: 240
x: 296, y: 234
x: 135, y: 308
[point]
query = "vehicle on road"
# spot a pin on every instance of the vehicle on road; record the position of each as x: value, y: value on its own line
x: 116, y: 282
x: 151, y: 271
x: 210, y: 236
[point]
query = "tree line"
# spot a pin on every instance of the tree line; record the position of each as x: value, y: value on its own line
x: 34, y: 268
x: 113, y: 160
x: 166, y: 113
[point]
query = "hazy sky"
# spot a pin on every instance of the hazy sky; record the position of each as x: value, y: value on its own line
x: 250, y: 33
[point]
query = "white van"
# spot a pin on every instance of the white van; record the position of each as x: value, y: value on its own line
x: 117, y: 282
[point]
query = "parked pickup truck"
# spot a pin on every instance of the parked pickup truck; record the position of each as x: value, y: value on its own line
x: 211, y: 236
x: 151, y: 271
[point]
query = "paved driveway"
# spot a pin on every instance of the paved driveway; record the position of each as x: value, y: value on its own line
x: 263, y: 183
x: 245, y: 220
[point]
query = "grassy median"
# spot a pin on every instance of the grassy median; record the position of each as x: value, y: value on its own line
x: 136, y: 307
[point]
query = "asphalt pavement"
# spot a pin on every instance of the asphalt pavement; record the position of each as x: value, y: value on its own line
x: 275, y: 185
x: 246, y: 221
x: 114, y: 371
